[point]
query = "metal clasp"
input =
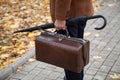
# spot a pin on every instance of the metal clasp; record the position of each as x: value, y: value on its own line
x: 61, y: 37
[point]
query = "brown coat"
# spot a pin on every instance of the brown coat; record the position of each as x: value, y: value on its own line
x: 64, y: 9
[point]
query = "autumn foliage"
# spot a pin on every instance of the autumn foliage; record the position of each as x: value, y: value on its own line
x: 16, y: 15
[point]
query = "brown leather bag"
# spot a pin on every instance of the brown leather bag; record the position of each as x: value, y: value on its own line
x: 62, y: 51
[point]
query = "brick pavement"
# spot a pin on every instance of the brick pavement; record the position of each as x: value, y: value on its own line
x: 104, y: 53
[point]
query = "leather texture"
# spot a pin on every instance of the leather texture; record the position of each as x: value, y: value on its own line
x: 59, y: 50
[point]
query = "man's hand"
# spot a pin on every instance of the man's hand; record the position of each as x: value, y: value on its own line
x: 60, y: 24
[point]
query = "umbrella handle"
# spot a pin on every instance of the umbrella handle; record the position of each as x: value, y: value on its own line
x: 98, y: 16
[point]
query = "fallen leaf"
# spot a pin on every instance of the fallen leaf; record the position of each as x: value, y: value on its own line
x: 94, y: 1
x: 3, y: 56
x: 1, y: 26
x: 19, y: 68
x: 1, y: 67
x: 15, y: 25
x: 96, y: 57
x: 31, y: 59
x: 12, y: 60
x: 115, y: 76
x: 111, y: 5
x: 109, y: 49
x: 97, y: 35
x: 87, y: 34
x: 21, y: 52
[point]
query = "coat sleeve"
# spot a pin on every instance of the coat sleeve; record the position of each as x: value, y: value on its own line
x: 61, y: 8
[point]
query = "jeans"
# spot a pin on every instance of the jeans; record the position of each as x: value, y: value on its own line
x: 75, y: 30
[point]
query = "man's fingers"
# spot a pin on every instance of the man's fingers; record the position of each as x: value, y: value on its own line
x: 60, y: 27
x: 60, y: 24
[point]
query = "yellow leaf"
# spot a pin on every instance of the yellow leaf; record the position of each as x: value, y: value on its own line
x: 87, y: 33
x: 31, y: 44
x: 30, y: 35
x: 1, y: 26
x: 97, y: 35
x: 31, y: 60
x: 111, y: 5
x: 109, y: 49
x: 12, y: 60
x: 8, y: 24
x: 15, y: 25
x: 96, y: 57
x: 6, y: 63
x: 115, y: 76
x: 23, y: 8
x: 94, y: 1
x: 1, y: 67
x: 19, y: 68
x: 21, y: 52
x: 3, y: 56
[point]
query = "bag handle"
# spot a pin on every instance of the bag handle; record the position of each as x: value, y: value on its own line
x: 67, y: 33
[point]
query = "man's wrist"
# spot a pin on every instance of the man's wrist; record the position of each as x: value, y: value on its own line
x: 60, y: 24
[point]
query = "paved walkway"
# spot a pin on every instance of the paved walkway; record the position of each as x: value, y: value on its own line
x: 104, y: 54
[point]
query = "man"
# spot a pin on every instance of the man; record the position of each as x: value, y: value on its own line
x: 62, y: 10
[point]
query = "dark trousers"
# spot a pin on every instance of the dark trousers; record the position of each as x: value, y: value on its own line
x: 75, y: 30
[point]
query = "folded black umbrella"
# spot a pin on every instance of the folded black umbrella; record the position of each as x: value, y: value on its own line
x: 72, y: 21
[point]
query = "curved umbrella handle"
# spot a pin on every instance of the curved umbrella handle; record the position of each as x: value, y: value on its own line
x: 98, y: 16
